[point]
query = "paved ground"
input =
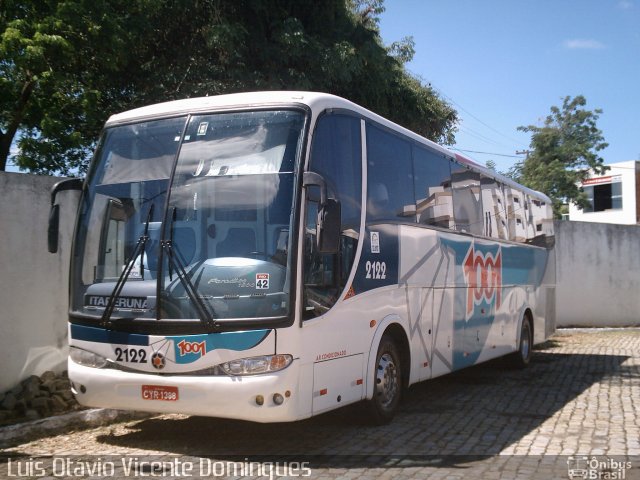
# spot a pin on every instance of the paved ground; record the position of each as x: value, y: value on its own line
x: 577, y: 406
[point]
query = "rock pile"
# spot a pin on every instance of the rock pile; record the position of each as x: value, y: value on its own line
x: 37, y: 397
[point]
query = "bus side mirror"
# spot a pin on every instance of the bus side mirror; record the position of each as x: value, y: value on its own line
x: 54, y: 213
x: 54, y: 225
x: 328, y: 226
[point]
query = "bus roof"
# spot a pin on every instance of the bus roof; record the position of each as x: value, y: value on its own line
x: 316, y: 101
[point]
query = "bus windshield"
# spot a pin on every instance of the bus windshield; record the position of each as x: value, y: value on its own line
x: 189, y: 219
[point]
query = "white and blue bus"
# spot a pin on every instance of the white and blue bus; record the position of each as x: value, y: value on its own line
x: 272, y: 256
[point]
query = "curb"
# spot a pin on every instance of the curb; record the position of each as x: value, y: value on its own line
x: 96, y: 417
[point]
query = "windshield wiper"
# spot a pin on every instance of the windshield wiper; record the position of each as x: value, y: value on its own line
x: 122, y: 279
x: 174, y: 262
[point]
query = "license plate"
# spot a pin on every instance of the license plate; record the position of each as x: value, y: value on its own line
x: 159, y: 392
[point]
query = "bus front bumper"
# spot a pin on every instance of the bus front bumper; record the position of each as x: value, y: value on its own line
x: 212, y: 396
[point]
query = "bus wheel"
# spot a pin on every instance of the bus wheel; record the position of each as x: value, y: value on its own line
x: 522, y: 357
x: 387, y: 382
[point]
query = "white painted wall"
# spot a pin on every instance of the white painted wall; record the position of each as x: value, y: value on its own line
x: 33, y: 282
x: 624, y: 216
x: 598, y: 274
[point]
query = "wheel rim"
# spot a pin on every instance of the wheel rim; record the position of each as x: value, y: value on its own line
x: 525, y: 342
x: 386, y: 380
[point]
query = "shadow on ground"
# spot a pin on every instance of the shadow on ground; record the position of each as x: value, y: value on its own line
x: 462, y: 417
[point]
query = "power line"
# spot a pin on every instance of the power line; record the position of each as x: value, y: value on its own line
x: 475, y: 117
x: 474, y: 159
x: 441, y: 92
x: 479, y: 136
x: 488, y: 153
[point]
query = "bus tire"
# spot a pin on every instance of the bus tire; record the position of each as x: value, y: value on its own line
x: 387, y: 382
x: 522, y: 357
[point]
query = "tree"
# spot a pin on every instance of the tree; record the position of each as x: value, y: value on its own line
x: 563, y: 153
x: 56, y: 57
x: 491, y: 165
x: 65, y: 65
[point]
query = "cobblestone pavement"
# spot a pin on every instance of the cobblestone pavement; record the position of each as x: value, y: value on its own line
x: 576, y: 407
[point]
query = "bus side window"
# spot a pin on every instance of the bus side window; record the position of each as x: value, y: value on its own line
x: 319, y: 280
x: 432, y: 182
x: 494, y: 209
x: 336, y: 155
x: 518, y: 216
x: 389, y: 177
x: 467, y: 200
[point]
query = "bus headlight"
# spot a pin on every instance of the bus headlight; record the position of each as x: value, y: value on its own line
x: 87, y: 359
x: 257, y: 365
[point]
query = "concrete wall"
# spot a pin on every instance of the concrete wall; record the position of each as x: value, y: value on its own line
x: 33, y: 282
x: 598, y: 274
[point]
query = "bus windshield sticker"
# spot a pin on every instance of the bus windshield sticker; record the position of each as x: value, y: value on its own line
x: 202, y: 128
x: 262, y: 281
x: 375, y: 242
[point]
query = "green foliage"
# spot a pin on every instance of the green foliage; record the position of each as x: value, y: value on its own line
x: 563, y: 152
x: 491, y: 165
x: 54, y: 59
x: 66, y: 65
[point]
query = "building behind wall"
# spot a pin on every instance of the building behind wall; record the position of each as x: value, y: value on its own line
x: 614, y: 196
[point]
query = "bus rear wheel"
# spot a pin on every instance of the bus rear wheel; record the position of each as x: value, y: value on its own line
x: 522, y: 357
x: 387, y: 382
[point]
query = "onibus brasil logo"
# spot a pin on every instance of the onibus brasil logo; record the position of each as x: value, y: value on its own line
x: 483, y: 276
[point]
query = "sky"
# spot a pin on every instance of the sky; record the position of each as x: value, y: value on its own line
x: 503, y: 63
